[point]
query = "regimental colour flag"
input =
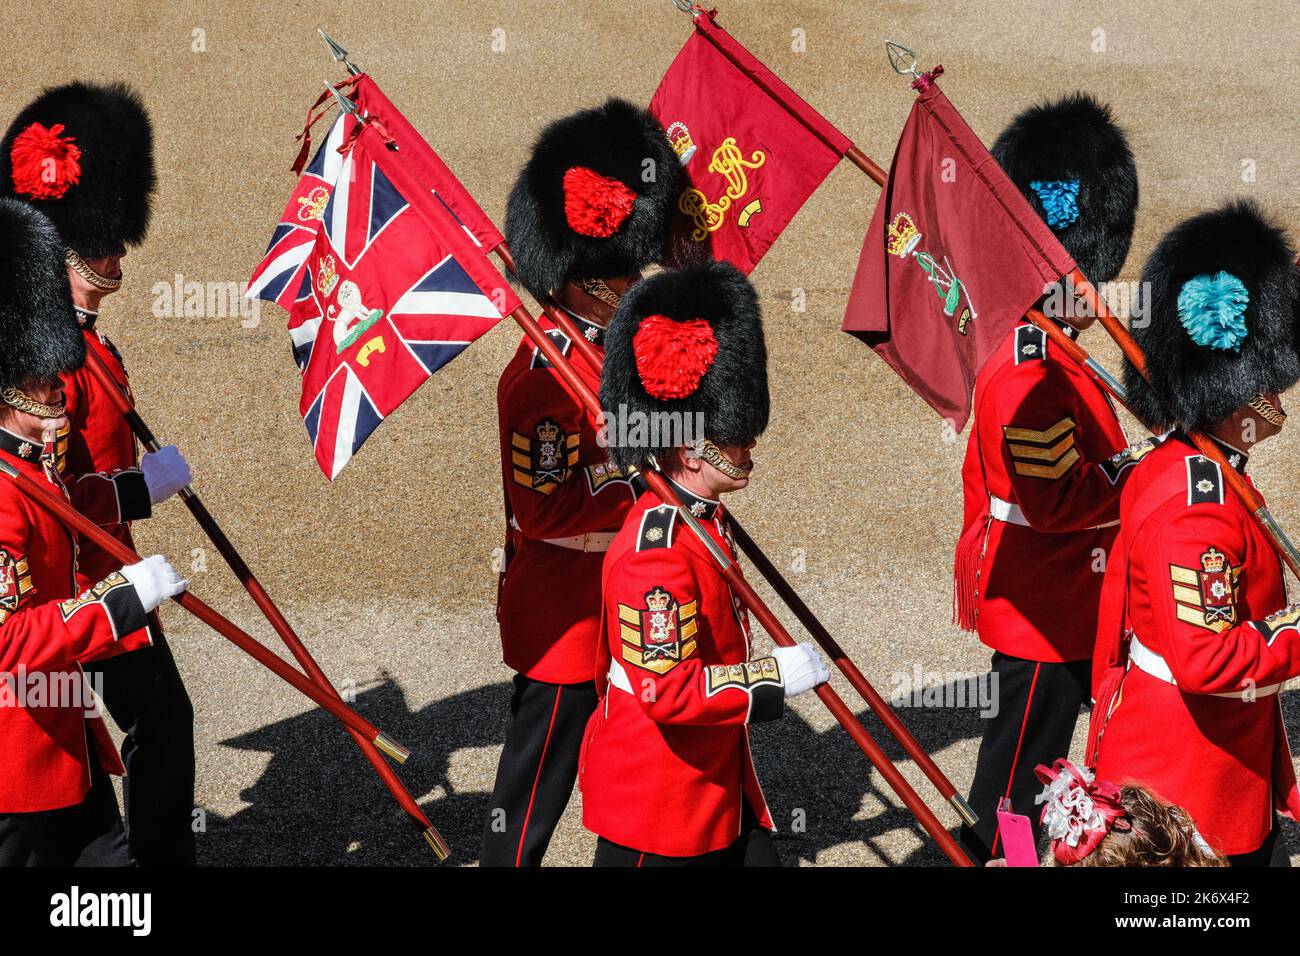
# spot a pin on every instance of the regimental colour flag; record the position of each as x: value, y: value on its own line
x: 751, y: 149
x: 954, y: 257
x: 279, y: 277
x: 394, y: 287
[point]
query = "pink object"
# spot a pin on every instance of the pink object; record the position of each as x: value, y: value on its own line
x: 1017, y: 836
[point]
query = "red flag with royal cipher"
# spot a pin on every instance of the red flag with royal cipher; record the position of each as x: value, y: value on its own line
x: 751, y: 149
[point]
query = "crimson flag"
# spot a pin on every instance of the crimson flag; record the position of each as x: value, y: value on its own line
x: 752, y: 150
x: 954, y: 257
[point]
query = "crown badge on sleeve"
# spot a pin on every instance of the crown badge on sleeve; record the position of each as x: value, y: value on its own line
x: 658, y: 600
x: 1218, y: 594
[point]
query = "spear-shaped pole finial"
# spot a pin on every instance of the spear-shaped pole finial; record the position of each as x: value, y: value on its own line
x: 903, y: 61
x: 345, y: 104
x: 337, y: 52
x: 901, y: 58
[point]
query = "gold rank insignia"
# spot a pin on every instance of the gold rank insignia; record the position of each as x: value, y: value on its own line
x: 542, y: 462
x: 1042, y: 454
x: 1206, y: 596
x: 61, y: 448
x: 744, y: 676
x: 660, y: 635
x: 15, y: 583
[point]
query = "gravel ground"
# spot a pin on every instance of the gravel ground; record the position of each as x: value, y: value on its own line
x: 387, y: 573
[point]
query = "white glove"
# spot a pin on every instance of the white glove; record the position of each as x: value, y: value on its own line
x: 165, y: 472
x: 155, y: 581
x: 802, y: 668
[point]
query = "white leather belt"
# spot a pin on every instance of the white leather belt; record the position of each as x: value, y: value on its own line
x: 1011, y: 514
x: 1006, y: 511
x: 1149, y: 662
x: 618, y: 677
x: 592, y: 541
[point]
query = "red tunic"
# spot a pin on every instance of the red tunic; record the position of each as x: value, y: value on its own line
x: 559, y: 486
x: 1193, y: 579
x: 1047, y: 445
x: 100, y: 441
x: 46, y: 632
x: 666, y: 765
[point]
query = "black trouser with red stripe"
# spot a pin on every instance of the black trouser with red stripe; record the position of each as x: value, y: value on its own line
x: 1038, y: 707
x: 538, y: 767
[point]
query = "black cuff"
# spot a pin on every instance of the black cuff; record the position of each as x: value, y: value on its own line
x: 767, y: 702
x: 133, y: 501
x: 123, y: 605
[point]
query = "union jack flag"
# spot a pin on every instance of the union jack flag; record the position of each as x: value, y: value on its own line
x: 279, y: 277
x: 393, y: 288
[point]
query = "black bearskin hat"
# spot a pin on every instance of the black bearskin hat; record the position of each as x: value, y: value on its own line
x: 582, y: 208
x: 1216, y: 319
x: 39, y: 335
x: 83, y: 155
x: 686, y: 341
x: 1075, y: 167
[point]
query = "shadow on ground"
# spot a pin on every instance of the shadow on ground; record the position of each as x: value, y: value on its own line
x: 318, y: 803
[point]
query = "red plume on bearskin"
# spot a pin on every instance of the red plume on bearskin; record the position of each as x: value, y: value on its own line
x: 46, y: 164
x: 595, y: 205
x: 688, y: 343
x: 672, y: 357
x: 106, y: 128
x: 583, y: 206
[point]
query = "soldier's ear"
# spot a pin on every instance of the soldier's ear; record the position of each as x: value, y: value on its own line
x: 688, y: 459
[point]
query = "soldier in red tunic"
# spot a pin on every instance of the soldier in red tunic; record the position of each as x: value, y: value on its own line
x: 57, y: 805
x: 667, y: 776
x: 1044, y: 467
x: 583, y: 221
x: 1195, y: 639
x: 83, y: 155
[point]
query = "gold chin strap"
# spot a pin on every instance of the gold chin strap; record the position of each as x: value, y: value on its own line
x: 714, y: 456
x: 25, y: 403
x: 597, y: 289
x: 79, y: 266
x: 1268, y: 411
